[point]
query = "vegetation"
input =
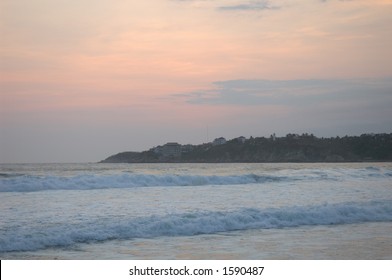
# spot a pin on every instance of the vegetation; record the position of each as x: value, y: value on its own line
x: 291, y: 148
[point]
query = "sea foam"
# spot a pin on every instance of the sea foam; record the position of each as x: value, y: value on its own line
x: 192, y: 223
x: 30, y: 183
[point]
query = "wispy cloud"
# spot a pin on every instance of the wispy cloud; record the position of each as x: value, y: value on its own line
x: 325, y: 106
x: 249, y: 6
x: 292, y: 92
x: 338, y: 0
x: 241, y: 5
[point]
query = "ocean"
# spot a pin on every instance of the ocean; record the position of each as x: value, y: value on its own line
x: 196, y: 211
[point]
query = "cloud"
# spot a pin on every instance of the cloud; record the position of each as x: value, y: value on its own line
x: 255, y: 5
x: 324, y: 106
x: 324, y: 1
x: 192, y: 1
x: 249, y: 6
x: 293, y: 93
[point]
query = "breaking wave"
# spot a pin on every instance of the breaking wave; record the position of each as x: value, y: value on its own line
x: 16, y: 182
x: 30, y: 183
x: 192, y: 223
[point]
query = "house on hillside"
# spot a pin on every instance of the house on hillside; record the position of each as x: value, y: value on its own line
x: 187, y: 148
x: 171, y: 149
x: 241, y: 139
x: 219, y: 141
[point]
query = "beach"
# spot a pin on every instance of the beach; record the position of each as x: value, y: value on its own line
x: 196, y: 211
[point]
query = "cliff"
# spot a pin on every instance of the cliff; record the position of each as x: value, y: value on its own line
x: 291, y: 148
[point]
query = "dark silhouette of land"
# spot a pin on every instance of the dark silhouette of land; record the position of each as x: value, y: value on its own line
x: 291, y: 148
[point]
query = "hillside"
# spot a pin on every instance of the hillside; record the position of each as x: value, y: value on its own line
x: 291, y: 148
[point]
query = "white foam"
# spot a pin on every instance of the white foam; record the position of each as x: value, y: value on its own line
x: 33, y: 237
x: 29, y: 183
x: 84, y: 182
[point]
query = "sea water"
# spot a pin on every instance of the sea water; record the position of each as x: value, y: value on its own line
x: 196, y: 211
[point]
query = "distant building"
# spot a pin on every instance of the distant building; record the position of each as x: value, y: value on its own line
x: 187, y: 148
x: 241, y: 139
x: 219, y: 141
x: 157, y: 150
x: 292, y: 136
x: 171, y: 149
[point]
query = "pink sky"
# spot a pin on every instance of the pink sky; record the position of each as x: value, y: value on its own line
x: 81, y: 80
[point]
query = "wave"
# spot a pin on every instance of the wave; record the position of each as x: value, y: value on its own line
x: 85, y: 182
x: 18, y: 182
x: 10, y: 175
x: 192, y: 223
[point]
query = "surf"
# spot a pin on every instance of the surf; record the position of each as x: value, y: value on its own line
x: 192, y: 223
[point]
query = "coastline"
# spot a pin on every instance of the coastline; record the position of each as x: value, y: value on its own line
x: 292, y: 148
x: 364, y: 241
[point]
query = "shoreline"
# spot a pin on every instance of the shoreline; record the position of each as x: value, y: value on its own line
x: 362, y: 241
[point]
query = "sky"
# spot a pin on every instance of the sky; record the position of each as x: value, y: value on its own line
x: 81, y: 80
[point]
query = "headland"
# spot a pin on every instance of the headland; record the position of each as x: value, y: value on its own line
x: 290, y: 148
